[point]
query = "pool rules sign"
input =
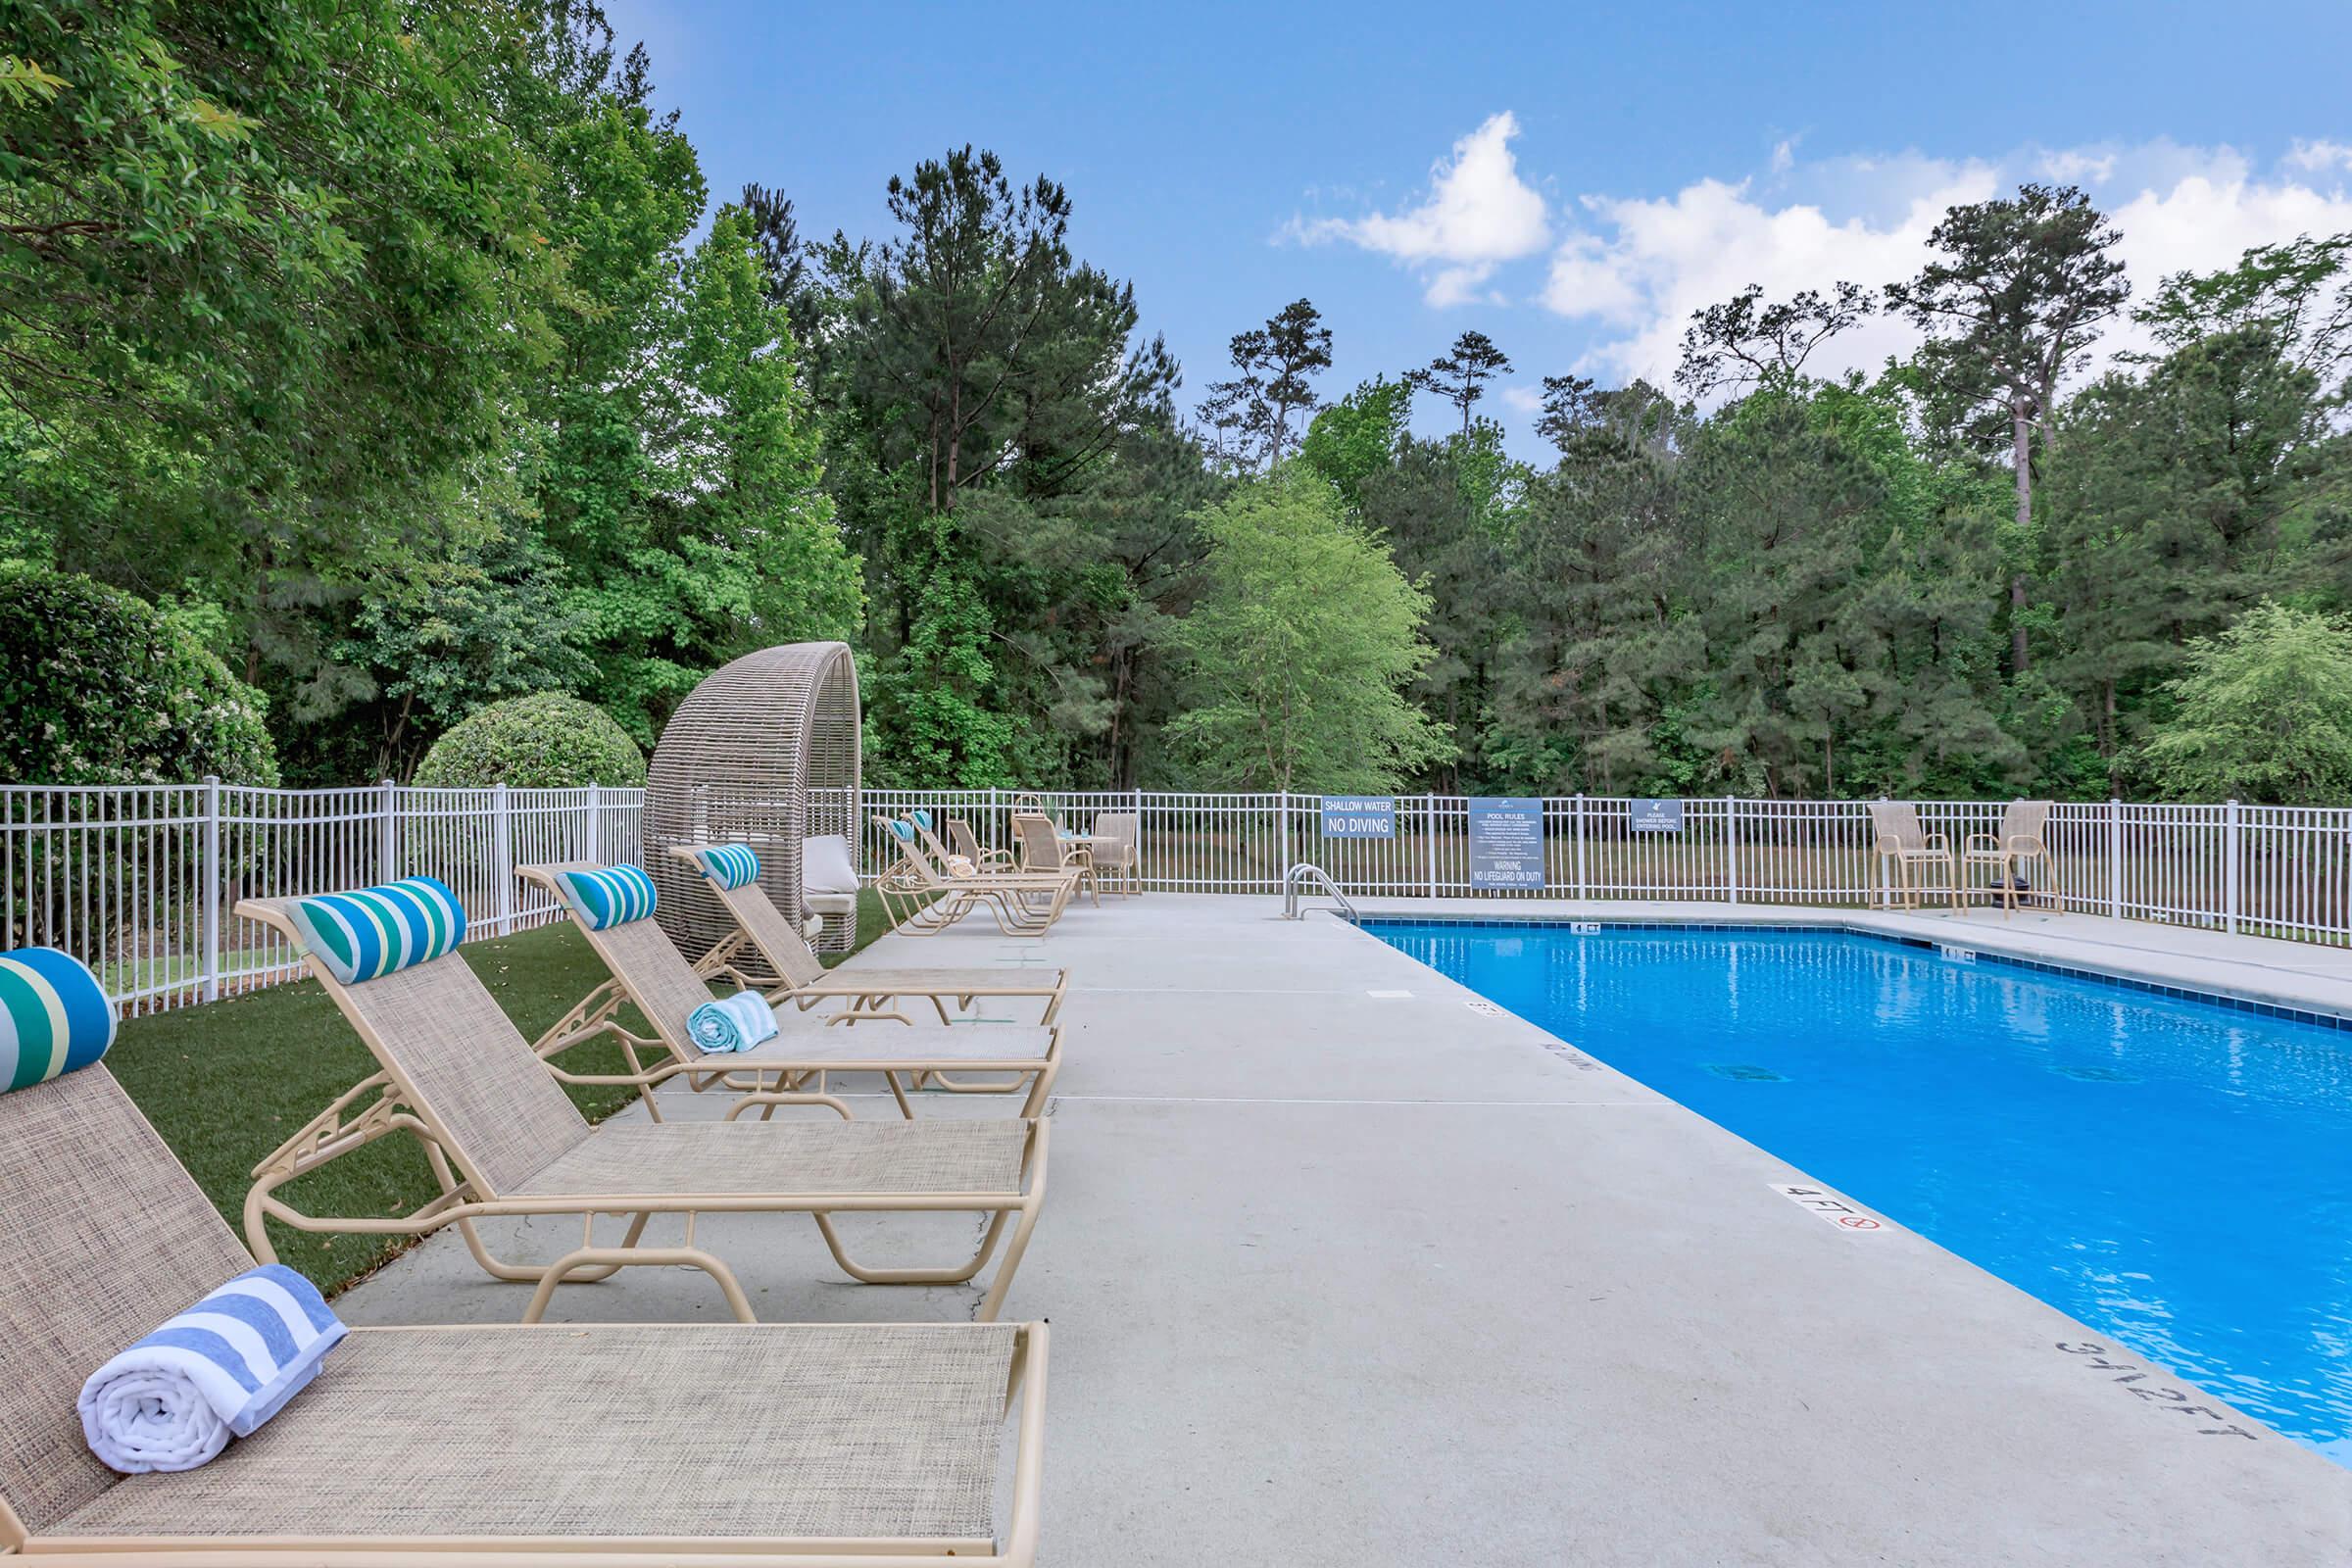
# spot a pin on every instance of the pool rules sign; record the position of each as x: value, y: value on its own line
x: 1506, y: 844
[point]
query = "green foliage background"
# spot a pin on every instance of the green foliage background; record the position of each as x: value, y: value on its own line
x: 405, y: 356
x: 545, y: 741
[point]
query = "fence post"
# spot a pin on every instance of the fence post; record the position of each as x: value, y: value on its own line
x: 1583, y: 877
x: 1731, y: 846
x: 502, y: 843
x: 211, y: 887
x: 596, y: 824
x: 387, y: 831
x: 2115, y: 858
x: 2231, y: 859
x: 1428, y: 838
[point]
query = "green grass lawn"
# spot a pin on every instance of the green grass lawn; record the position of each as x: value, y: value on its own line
x: 228, y: 1081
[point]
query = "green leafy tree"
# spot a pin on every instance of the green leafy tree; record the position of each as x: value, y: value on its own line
x: 1460, y: 374
x: 1359, y: 436
x: 100, y: 687
x: 2011, y: 304
x: 1744, y: 342
x: 1274, y: 367
x: 2263, y: 713
x: 1299, y: 650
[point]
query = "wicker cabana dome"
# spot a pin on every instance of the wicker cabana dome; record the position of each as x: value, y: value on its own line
x: 765, y: 751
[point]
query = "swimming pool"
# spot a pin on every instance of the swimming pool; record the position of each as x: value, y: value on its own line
x: 2175, y: 1173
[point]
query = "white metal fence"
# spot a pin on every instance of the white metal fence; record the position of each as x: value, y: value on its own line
x: 141, y: 881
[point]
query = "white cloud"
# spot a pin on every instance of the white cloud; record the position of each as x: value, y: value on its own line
x: 1638, y: 267
x: 1478, y: 213
x: 1784, y: 154
x: 1525, y: 399
x: 2318, y: 157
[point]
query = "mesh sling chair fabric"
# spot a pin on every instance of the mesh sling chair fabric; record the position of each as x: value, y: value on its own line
x: 494, y: 1122
x: 762, y: 927
x: 514, y: 1445
x: 647, y: 970
x: 926, y: 897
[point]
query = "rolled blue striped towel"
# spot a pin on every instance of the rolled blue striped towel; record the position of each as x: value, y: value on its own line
x: 732, y: 1024
x: 220, y: 1369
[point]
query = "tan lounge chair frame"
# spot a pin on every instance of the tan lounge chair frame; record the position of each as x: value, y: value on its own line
x: 788, y: 967
x: 646, y: 971
x: 389, y: 1103
x: 2022, y: 840
x: 111, y: 1235
x: 923, y: 899
x: 1904, y: 846
x: 1044, y: 851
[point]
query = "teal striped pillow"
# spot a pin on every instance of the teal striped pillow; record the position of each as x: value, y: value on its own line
x: 730, y: 866
x: 368, y: 934
x: 54, y: 1017
x: 608, y: 895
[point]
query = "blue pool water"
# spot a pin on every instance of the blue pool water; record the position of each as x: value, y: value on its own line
x: 2175, y: 1173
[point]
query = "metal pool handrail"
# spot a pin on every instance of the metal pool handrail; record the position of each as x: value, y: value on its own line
x: 1301, y: 872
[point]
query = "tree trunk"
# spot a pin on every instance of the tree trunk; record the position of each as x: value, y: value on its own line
x: 2021, y: 433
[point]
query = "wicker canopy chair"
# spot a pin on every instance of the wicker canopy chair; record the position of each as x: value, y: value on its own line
x: 765, y: 751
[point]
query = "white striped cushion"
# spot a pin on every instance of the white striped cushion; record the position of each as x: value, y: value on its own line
x: 608, y: 895
x: 54, y: 1017
x: 730, y: 866
x: 369, y: 933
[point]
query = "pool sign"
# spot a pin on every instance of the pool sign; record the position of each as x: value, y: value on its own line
x: 1654, y: 817
x: 1506, y: 844
x: 1830, y: 1207
x: 1359, y: 816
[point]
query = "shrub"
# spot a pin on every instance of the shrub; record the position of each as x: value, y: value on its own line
x: 545, y: 741
x: 100, y: 687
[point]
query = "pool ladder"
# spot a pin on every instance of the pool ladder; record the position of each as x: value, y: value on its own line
x: 1307, y: 871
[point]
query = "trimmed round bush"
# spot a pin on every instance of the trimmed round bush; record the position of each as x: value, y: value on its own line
x: 98, y: 686
x: 544, y: 741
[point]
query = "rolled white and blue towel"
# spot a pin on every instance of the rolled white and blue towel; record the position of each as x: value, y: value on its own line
x: 732, y: 1024
x: 220, y: 1369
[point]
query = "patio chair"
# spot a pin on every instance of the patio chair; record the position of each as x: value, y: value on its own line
x: 2021, y: 843
x: 1117, y: 848
x: 526, y: 1447
x: 1044, y: 850
x: 647, y: 970
x: 504, y: 1139
x: 964, y: 842
x: 1902, y: 846
x: 925, y: 897
x: 761, y: 931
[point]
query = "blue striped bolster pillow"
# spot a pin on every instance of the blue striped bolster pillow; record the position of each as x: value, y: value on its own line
x: 371, y: 932
x: 608, y: 895
x: 921, y: 819
x: 730, y: 866
x: 54, y: 1017
x: 220, y: 1369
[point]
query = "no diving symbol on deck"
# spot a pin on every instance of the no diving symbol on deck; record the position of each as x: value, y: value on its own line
x: 1830, y: 1207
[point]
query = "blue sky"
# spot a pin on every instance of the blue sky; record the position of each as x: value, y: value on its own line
x: 1572, y: 181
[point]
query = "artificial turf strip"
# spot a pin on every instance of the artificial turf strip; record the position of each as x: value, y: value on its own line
x: 227, y: 1083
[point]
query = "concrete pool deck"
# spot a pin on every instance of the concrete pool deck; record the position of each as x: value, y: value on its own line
x: 1344, y: 1269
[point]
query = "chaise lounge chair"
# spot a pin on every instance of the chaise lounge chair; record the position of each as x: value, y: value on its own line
x: 647, y: 970
x: 503, y: 1139
x: 925, y: 897
x: 877, y: 1445
x: 762, y: 930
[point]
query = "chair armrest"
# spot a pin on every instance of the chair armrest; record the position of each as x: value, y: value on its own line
x: 1991, y: 841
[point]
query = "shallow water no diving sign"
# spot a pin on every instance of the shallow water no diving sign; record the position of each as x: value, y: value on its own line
x: 1830, y: 1207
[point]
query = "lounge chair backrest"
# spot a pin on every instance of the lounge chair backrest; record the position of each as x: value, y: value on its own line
x: 962, y: 840
x: 458, y: 1058
x: 778, y: 943
x: 647, y: 965
x: 1895, y: 826
x: 1041, y: 846
x: 103, y: 1236
x: 912, y: 848
x: 2028, y: 820
x: 782, y: 945
x: 1120, y: 827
